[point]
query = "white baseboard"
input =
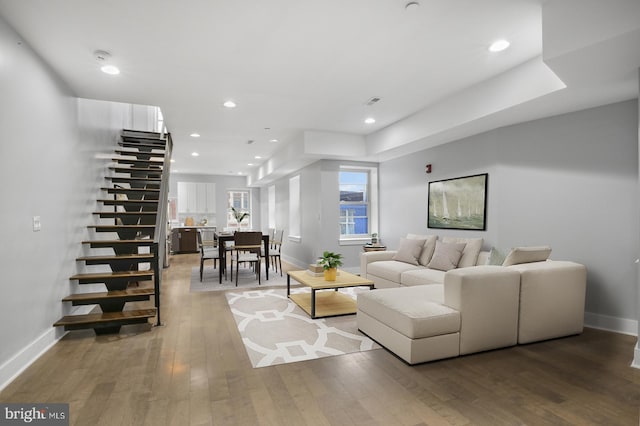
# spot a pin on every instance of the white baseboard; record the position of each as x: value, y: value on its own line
x: 23, y: 359
x: 604, y: 322
x: 294, y: 262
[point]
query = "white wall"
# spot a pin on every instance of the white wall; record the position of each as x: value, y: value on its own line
x: 53, y: 155
x: 569, y: 181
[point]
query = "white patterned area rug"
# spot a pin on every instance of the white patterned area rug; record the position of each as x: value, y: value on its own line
x: 246, y: 279
x: 275, y: 330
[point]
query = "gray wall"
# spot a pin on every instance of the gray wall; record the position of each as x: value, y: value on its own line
x: 320, y: 201
x: 568, y: 181
x: 54, y: 151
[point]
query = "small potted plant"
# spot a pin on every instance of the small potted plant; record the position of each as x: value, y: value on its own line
x: 330, y: 262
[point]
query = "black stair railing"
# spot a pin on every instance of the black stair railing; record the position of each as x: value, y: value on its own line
x: 159, y: 246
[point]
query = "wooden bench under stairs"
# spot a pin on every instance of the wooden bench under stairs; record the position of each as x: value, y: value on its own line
x: 135, y: 216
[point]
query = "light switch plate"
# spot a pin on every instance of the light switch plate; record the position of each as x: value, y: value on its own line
x: 37, y: 225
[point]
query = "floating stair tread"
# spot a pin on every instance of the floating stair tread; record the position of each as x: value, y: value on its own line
x: 107, y: 258
x: 116, y: 294
x: 112, y: 275
x: 136, y: 169
x: 106, y: 317
x: 125, y: 190
x: 117, y: 227
x: 144, y: 139
x: 122, y: 160
x: 133, y: 179
x: 136, y: 153
x: 108, y: 243
x: 129, y: 144
x: 141, y: 135
x: 116, y: 214
x: 111, y: 201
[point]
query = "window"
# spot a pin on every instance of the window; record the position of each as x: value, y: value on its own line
x: 354, y: 203
x: 239, y: 200
x: 294, y: 208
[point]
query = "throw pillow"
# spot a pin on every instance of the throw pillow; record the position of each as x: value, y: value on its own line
x: 446, y: 256
x: 520, y: 255
x: 496, y: 257
x: 409, y: 250
x: 471, y: 251
x: 427, y: 250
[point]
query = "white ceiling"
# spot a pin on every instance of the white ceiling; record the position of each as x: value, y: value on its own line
x: 299, y: 65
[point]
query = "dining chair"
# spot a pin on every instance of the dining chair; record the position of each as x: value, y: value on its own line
x: 209, y: 237
x: 207, y: 252
x: 247, y: 246
x: 275, y: 249
x: 263, y: 252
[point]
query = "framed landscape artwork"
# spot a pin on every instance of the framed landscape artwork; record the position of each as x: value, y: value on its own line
x: 459, y: 203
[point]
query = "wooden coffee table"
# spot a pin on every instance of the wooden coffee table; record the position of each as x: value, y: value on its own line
x: 326, y: 303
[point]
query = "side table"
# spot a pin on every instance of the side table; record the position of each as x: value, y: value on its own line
x: 374, y: 247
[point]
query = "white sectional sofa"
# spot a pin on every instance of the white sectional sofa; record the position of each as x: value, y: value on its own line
x: 423, y: 314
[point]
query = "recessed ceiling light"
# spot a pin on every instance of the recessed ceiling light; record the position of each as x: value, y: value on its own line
x: 257, y: 157
x: 229, y: 104
x: 195, y: 135
x: 194, y: 154
x: 110, y: 69
x: 239, y: 173
x: 499, y: 45
x: 370, y: 120
x: 273, y: 140
x: 103, y: 58
x: 172, y: 160
x: 249, y: 164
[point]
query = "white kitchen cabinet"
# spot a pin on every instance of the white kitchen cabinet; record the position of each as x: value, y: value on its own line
x: 196, y: 197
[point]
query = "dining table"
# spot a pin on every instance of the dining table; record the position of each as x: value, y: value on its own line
x: 222, y: 252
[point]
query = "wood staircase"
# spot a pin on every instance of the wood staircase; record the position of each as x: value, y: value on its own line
x: 138, y: 188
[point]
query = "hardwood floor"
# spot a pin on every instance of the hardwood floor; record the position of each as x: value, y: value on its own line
x: 194, y: 370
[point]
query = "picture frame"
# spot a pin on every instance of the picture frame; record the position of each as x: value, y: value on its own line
x: 458, y: 203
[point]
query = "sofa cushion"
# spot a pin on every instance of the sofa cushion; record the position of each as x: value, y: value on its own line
x: 424, y: 276
x: 409, y: 311
x: 520, y: 255
x: 471, y: 250
x: 496, y: 257
x: 446, y: 256
x: 409, y: 250
x: 390, y: 269
x: 427, y: 249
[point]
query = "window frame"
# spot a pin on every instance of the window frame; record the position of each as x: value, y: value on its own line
x: 231, y: 222
x: 371, y: 203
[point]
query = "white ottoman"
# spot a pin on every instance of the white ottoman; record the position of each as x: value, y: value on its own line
x: 409, y: 324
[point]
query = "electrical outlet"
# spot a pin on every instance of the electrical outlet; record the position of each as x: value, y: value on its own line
x: 37, y: 225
